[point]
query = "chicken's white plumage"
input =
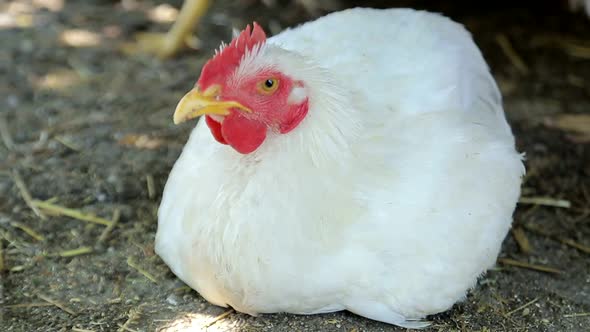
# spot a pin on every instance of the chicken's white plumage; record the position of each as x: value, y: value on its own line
x: 389, y: 200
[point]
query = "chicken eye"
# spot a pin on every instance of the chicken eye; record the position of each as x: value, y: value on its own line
x: 268, y: 86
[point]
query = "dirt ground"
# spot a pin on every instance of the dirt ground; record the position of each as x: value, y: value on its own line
x: 86, y: 128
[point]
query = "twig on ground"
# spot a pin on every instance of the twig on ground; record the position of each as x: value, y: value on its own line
x: 540, y: 268
x: 57, y: 304
x: 26, y: 195
x: 546, y: 201
x: 60, y: 210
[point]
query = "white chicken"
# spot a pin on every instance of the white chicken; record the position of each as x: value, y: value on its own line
x: 358, y: 162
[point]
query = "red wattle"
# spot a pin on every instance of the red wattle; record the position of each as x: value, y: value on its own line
x: 243, y: 134
x: 215, y: 128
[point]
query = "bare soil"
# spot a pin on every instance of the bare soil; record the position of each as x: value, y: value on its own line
x: 90, y: 129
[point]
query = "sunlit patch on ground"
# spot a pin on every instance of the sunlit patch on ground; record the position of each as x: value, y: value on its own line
x: 196, y: 322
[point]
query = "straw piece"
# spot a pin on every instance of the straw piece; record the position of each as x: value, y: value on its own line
x: 114, y: 221
x: 75, y: 252
x: 546, y: 201
x: 60, y: 210
x: 145, y: 273
x: 511, y: 54
x: 28, y: 230
x: 57, y: 304
x: 540, y: 268
x: 522, y: 307
x: 26, y: 195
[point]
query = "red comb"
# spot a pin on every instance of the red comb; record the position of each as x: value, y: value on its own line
x: 225, y: 61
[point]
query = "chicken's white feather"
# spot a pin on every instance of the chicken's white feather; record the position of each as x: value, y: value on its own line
x: 390, y: 198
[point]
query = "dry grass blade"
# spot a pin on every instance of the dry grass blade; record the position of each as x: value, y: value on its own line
x: 151, y: 186
x: 1, y: 256
x: 535, y: 267
x: 578, y: 48
x: 75, y: 252
x: 28, y: 230
x: 77, y: 329
x: 26, y: 195
x: 79, y: 123
x: 522, y: 240
x: 5, y: 134
x: 568, y: 242
x: 574, y: 244
x: 28, y: 305
x: 522, y: 307
x: 67, y: 143
x: 579, y: 123
x: 72, y: 213
x: 19, y: 268
x: 114, y: 221
x: 57, y: 304
x: 546, y: 201
x: 511, y: 54
x: 578, y: 314
x: 578, y: 51
x: 218, y: 318
x: 576, y: 125
x: 133, y: 315
x: 145, y: 273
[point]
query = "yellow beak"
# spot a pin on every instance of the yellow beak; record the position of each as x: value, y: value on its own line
x: 196, y: 103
